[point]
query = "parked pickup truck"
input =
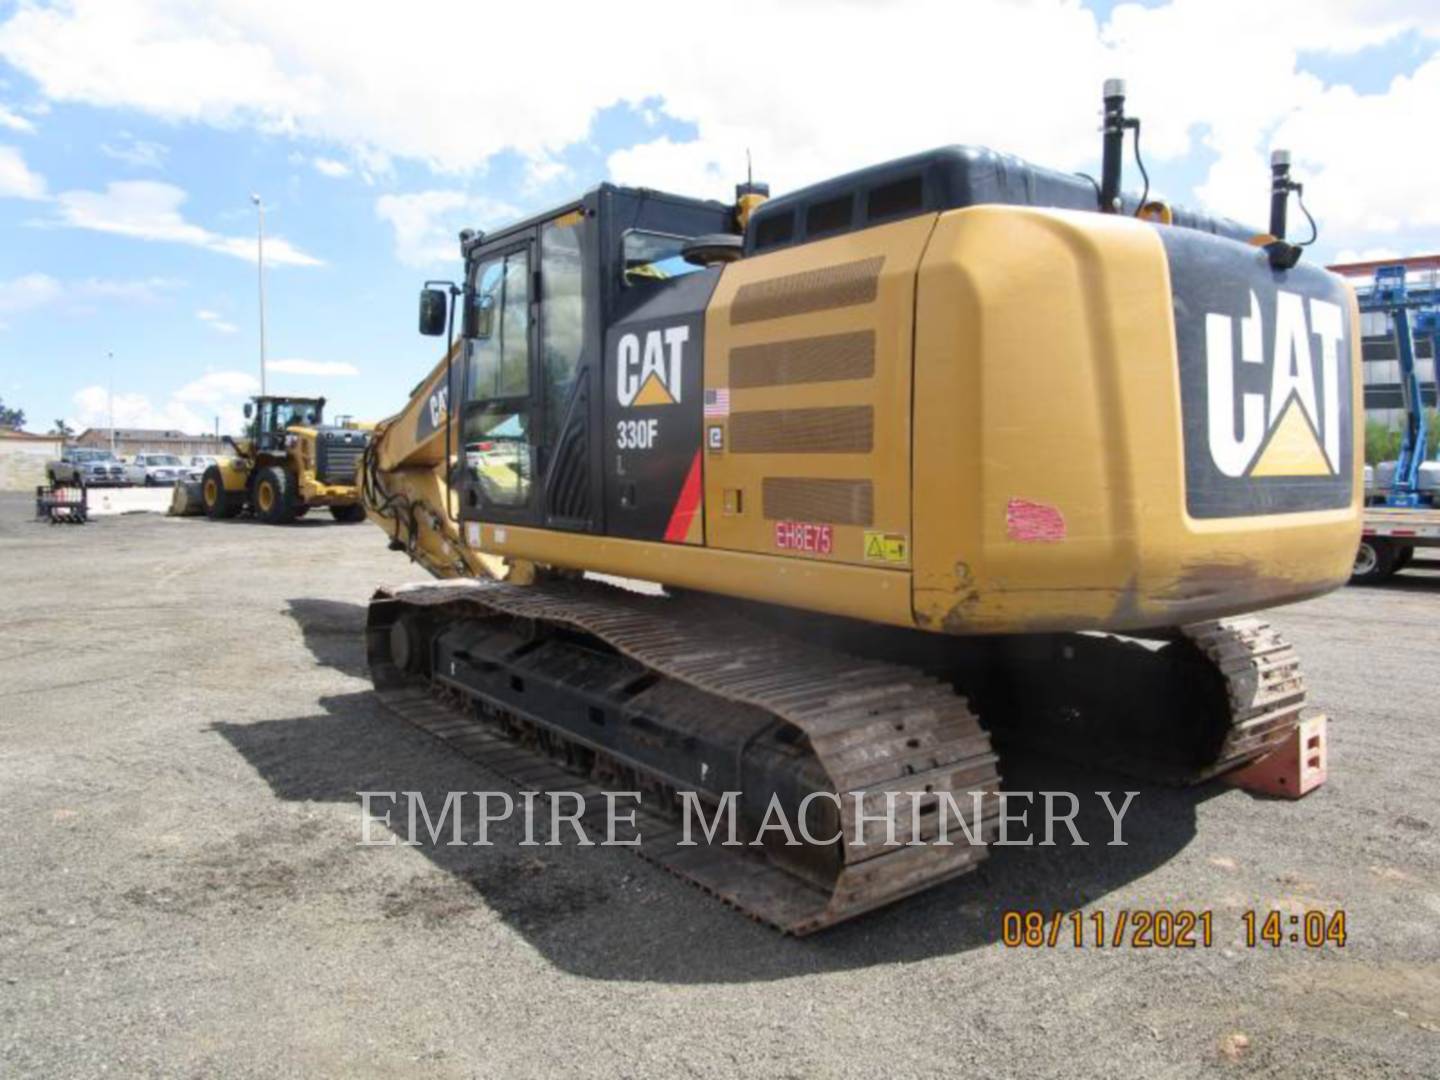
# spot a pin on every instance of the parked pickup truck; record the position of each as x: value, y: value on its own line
x: 90, y: 467
x: 155, y: 469
x: 196, y: 464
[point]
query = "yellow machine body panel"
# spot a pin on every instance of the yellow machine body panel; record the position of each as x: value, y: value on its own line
x: 1019, y: 454
x: 990, y: 419
x: 303, y: 461
x: 1050, y: 475
x: 235, y: 471
x: 812, y: 349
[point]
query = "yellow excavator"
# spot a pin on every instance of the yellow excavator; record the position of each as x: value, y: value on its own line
x: 950, y: 451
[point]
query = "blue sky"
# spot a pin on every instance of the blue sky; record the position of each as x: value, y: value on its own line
x: 133, y: 132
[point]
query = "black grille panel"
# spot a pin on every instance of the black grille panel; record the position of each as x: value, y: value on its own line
x: 337, y: 455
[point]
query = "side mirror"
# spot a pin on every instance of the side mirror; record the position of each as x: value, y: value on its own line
x: 484, y: 317
x: 433, y: 303
x: 249, y: 410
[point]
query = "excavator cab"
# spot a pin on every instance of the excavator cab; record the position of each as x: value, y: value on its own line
x: 539, y: 302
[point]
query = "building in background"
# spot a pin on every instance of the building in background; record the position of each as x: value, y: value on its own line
x: 1381, y: 359
x: 23, y: 457
x: 131, y: 441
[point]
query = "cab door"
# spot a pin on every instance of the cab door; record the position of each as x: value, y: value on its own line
x: 498, y: 422
x: 529, y: 387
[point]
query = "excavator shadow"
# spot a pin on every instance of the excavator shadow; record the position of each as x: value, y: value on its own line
x: 603, y: 913
x: 334, y: 632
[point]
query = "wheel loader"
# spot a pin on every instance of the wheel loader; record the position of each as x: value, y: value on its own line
x: 288, y: 463
x: 945, y: 455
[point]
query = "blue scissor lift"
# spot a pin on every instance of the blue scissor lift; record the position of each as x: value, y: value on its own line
x: 1409, y: 517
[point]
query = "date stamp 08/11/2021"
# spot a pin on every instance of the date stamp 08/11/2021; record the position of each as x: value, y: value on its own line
x: 1167, y: 929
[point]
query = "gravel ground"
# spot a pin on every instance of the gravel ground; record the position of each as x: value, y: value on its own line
x: 185, y: 722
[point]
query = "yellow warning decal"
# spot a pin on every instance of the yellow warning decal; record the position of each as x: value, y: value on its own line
x: 887, y: 547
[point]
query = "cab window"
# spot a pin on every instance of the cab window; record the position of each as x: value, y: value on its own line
x: 652, y: 256
x: 496, y: 431
x: 497, y: 454
x: 499, y: 360
x: 562, y: 318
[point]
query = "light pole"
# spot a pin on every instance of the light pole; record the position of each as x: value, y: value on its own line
x: 111, y: 403
x: 260, y: 265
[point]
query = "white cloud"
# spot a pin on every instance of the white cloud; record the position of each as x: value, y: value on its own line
x: 193, y: 408
x: 336, y: 170
x: 1376, y: 254
x: 141, y: 153
x: 28, y: 291
x: 215, y: 387
x: 150, y: 210
x: 216, y: 322
x: 1367, y: 175
x: 144, y: 291
x: 312, y: 367
x: 427, y: 223
x: 16, y: 179
x: 545, y: 170
x: 13, y: 121
x: 36, y: 290
x: 1218, y: 76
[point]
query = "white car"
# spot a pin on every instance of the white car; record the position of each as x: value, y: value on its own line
x: 155, y: 469
x: 196, y: 465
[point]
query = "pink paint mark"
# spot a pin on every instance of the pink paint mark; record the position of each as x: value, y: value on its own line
x: 1026, y: 520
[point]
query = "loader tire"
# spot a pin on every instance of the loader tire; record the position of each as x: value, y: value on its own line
x: 219, y: 504
x: 348, y: 515
x: 273, y: 496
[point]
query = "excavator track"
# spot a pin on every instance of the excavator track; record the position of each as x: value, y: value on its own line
x: 1264, y: 689
x: 584, y: 687
x: 1217, y: 695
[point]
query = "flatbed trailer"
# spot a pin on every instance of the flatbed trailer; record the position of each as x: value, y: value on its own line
x: 1389, y: 539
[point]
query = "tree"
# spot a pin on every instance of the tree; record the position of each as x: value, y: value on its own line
x: 1382, y: 443
x: 62, y: 429
x: 11, y: 418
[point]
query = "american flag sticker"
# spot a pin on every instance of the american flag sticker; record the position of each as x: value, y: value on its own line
x: 717, y: 401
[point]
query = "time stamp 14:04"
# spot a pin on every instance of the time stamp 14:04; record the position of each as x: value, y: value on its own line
x: 1163, y: 928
